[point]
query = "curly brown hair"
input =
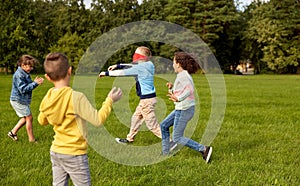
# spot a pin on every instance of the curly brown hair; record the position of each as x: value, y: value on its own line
x: 187, y: 61
x: 27, y: 60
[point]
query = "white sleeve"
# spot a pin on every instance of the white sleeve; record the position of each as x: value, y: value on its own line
x: 116, y: 73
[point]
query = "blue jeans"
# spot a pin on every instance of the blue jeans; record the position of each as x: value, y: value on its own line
x: 178, y: 118
x: 65, y: 167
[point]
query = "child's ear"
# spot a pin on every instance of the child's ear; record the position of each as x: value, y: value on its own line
x: 70, y: 71
x: 47, y: 77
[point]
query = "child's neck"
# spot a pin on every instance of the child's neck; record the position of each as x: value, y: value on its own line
x: 61, y: 84
x: 179, y: 70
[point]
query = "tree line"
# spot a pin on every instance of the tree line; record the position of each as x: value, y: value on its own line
x: 267, y: 34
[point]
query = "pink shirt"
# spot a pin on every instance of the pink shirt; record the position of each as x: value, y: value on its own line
x: 183, y: 89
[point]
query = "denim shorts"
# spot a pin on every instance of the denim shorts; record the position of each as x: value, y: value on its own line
x: 21, y: 110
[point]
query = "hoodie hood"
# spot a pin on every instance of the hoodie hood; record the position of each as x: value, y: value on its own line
x: 55, y: 105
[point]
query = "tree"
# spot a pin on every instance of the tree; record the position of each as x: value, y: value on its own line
x: 72, y: 45
x: 213, y: 21
x: 270, y: 38
x: 152, y: 10
x: 250, y: 49
x: 15, y: 30
x: 275, y: 27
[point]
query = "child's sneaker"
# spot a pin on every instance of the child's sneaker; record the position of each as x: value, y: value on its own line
x: 173, y: 145
x: 207, y: 153
x: 12, y: 136
x: 122, y: 141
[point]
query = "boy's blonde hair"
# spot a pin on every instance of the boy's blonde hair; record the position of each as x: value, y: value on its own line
x: 56, y: 65
x: 145, y: 51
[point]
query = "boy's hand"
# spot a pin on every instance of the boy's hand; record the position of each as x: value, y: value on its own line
x: 39, y: 80
x: 115, y: 94
x: 112, y: 67
x: 102, y: 74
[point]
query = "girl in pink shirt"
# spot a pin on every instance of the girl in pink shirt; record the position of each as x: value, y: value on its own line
x: 182, y: 94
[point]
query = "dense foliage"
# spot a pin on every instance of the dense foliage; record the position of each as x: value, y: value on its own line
x: 267, y: 34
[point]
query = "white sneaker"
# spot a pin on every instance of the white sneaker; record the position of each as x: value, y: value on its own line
x: 122, y: 141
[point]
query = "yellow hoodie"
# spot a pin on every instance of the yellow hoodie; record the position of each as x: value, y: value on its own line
x: 68, y: 110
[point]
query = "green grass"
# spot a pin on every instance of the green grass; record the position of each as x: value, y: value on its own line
x: 258, y: 143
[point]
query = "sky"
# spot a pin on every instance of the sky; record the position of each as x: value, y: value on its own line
x: 243, y: 2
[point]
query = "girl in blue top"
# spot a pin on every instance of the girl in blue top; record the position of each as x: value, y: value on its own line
x: 182, y: 94
x: 21, y: 94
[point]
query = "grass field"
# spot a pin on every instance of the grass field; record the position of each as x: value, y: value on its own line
x: 258, y: 143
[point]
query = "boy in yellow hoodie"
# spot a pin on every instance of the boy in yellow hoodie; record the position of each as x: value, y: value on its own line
x: 68, y: 111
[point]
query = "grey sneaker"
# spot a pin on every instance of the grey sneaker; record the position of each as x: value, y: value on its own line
x: 207, y: 153
x: 122, y: 141
x: 173, y: 145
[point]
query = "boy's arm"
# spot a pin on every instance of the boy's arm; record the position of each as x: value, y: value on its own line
x: 133, y: 71
x: 105, y: 110
x: 112, y: 73
x: 86, y: 111
x: 42, y: 119
x: 119, y: 66
x: 124, y: 65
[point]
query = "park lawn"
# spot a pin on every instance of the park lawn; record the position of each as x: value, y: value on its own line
x: 256, y: 145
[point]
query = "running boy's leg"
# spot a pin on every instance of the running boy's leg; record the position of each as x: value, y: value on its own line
x: 136, y: 122
x: 149, y: 116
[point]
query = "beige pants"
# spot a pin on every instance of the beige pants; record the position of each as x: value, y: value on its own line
x: 145, y: 111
